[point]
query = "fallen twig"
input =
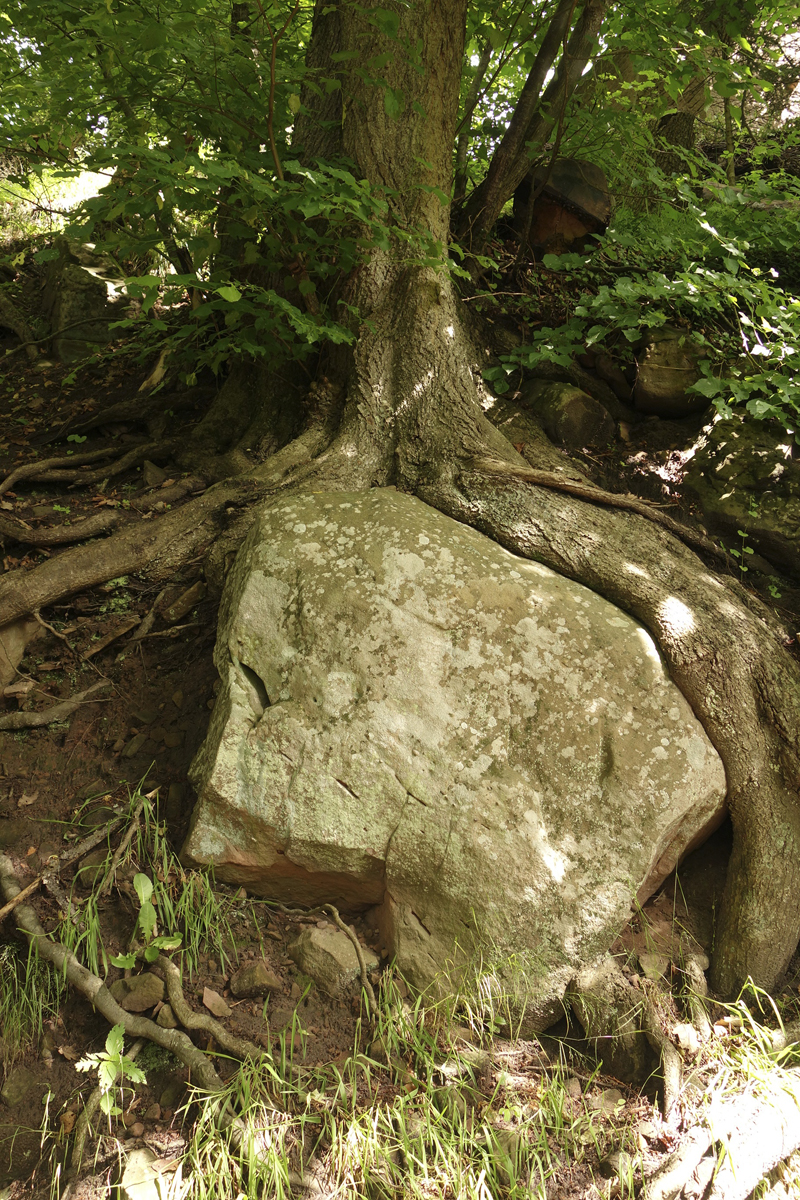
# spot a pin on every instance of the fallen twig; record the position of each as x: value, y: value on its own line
x: 64, y: 859
x: 147, y: 624
x: 127, y: 625
x: 57, y: 712
x: 37, y: 616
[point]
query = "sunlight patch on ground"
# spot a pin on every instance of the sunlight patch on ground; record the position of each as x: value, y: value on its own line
x: 633, y: 570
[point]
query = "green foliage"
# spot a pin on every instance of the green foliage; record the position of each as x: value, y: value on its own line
x: 685, y: 268
x: 112, y: 1065
x: 30, y: 995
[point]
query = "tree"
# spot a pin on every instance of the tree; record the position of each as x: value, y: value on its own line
x: 394, y: 396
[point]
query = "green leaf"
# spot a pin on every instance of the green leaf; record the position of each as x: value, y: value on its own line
x: 147, y: 919
x: 151, y: 953
x: 169, y: 941
x: 143, y: 886
x: 387, y: 21
x: 124, y: 961
x: 115, y: 1041
x: 229, y: 293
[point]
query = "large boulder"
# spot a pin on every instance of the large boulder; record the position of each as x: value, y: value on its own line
x: 413, y: 720
x: 83, y: 294
x: 568, y: 415
x: 571, y: 204
x: 667, y: 367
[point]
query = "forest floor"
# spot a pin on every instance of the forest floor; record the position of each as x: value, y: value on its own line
x: 139, y: 734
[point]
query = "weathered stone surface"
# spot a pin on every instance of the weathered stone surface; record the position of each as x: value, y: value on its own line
x: 141, y: 1179
x: 256, y: 979
x: 138, y: 993
x: 569, y: 415
x: 18, y: 1083
x: 667, y: 367
x: 743, y: 477
x: 81, y: 286
x: 411, y: 717
x: 166, y: 1017
x: 329, y: 958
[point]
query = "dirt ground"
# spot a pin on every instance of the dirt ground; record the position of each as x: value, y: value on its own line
x: 143, y: 729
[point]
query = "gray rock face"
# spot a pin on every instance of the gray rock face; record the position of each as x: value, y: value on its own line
x: 569, y: 415
x: 667, y: 367
x: 414, y: 719
x: 84, y: 287
x: 329, y: 958
x: 744, y: 478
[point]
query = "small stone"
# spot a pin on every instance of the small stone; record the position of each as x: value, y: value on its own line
x: 134, y: 745
x: 241, y: 894
x: 654, y: 966
x: 619, y: 1164
x: 295, y: 992
x: 173, y: 738
x: 140, y: 1178
x: 138, y: 993
x: 215, y: 1004
x: 153, y: 1113
x: 152, y: 476
x: 145, y: 716
x: 609, y: 1101
x: 329, y: 958
x: 185, y: 603
x: 256, y: 979
x: 172, y: 1094
x: 177, y: 698
x: 174, y: 801
x: 17, y: 1085
x: 687, y: 1037
x: 573, y: 1088
x: 119, y: 745
x: 166, y: 1018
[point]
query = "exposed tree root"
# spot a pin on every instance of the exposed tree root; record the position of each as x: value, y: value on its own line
x: 32, y: 469
x: 194, y: 1020
x: 94, y: 990
x: 671, y: 1062
x: 754, y: 1133
x: 59, y: 535
x: 56, y: 712
x: 596, y: 495
x: 160, y: 547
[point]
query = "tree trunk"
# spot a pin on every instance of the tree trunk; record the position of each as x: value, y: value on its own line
x: 535, y: 117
